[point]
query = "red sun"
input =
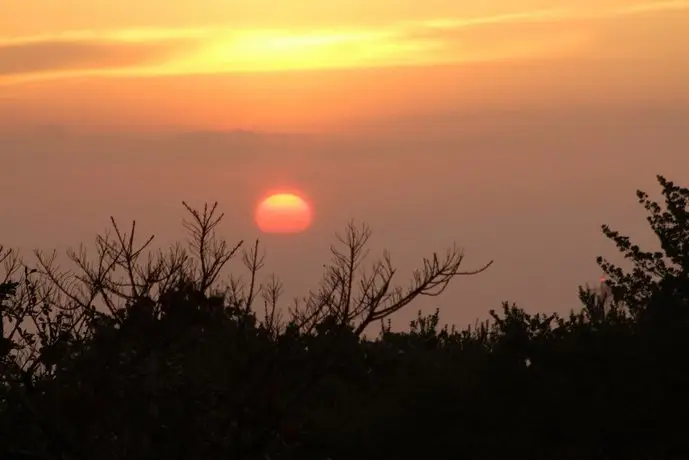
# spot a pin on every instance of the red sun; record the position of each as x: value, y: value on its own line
x: 283, y: 213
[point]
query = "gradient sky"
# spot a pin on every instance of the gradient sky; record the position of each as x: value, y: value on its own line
x: 513, y: 127
x: 226, y: 65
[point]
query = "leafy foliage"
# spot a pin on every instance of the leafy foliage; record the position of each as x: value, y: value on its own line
x: 136, y: 356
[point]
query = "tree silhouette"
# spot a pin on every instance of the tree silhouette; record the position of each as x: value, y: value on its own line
x: 658, y: 271
x: 139, y: 354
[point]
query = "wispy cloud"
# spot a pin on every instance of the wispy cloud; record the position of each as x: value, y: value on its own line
x: 641, y: 8
x: 219, y: 50
x: 25, y: 58
x: 126, y: 36
x: 87, y: 52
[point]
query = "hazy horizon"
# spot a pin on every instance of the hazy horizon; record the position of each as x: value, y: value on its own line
x: 514, y: 129
x: 539, y: 220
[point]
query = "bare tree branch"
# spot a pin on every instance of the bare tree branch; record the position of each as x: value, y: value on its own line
x: 376, y: 297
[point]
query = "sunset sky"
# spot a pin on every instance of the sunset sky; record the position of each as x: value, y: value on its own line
x: 514, y: 128
x: 312, y: 65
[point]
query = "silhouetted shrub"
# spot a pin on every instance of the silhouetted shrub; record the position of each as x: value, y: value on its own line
x: 165, y: 365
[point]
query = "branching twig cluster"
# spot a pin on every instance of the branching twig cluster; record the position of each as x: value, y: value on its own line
x: 50, y: 309
x: 358, y: 296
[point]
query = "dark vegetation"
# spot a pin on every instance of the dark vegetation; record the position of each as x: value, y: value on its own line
x: 141, y: 355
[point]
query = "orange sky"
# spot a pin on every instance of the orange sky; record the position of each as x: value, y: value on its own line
x: 302, y: 65
x: 514, y: 127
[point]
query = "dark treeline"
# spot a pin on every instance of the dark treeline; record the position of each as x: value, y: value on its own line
x: 139, y: 355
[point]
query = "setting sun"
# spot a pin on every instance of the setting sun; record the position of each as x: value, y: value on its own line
x: 283, y: 213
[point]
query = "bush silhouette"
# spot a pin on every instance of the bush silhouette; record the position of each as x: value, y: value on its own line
x: 135, y: 357
x: 144, y: 357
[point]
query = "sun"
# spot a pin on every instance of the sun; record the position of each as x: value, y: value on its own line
x: 283, y: 213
